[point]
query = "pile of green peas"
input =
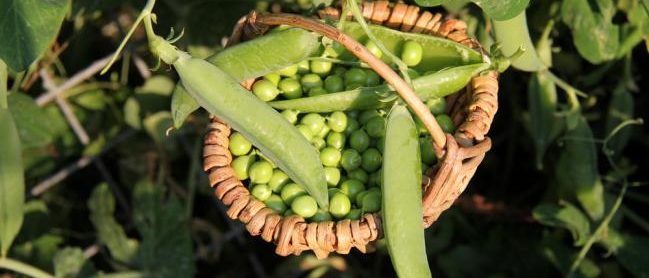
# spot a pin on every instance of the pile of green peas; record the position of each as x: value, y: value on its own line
x: 350, y: 142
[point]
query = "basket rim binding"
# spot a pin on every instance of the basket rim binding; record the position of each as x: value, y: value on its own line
x: 472, y: 108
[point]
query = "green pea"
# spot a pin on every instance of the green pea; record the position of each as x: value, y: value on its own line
x: 339, y: 70
x: 273, y: 78
x: 359, y: 140
x: 375, y: 178
x: 380, y: 144
x: 359, y: 197
x: 303, y: 67
x: 241, y: 165
x: 436, y: 105
x: 278, y: 180
x: 372, y: 79
x: 321, y: 68
x: 376, y: 127
x: 446, y: 123
x: 371, y: 160
x: 421, y: 128
x: 261, y: 192
x: 324, y: 131
x: 318, y: 143
x: 371, y: 202
x: 332, y: 175
x: 289, y: 71
x: 260, y: 172
x: 288, y: 212
x: 337, y: 121
x: 290, y: 88
x: 352, y: 187
x: 317, y: 91
x: 239, y: 145
x: 358, y: 174
x: 314, y: 121
x: 291, y: 191
x: 352, y: 125
x: 335, y: 49
x: 427, y: 151
x: 330, y: 157
x: 265, y: 90
x: 367, y: 115
x: 333, y: 190
x: 305, y: 131
x: 412, y: 53
x: 374, y: 49
x: 336, y: 140
x: 339, y: 205
x: 352, y: 114
x: 320, y: 216
x: 351, y: 159
x: 355, y: 214
x: 353, y: 86
x: 290, y: 115
x: 304, y: 206
x: 311, y: 80
x: 276, y: 203
x: 334, y: 83
x: 355, y: 75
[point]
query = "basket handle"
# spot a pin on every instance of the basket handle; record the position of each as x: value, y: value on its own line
x: 382, y: 69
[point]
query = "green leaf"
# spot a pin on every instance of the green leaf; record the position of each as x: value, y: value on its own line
x: 562, y: 257
x: 632, y: 255
x: 29, y: 28
x: 593, y: 33
x: 429, y: 3
x: 158, y: 84
x: 33, y: 124
x: 166, y: 247
x: 576, y: 170
x: 92, y: 100
x: 132, y: 113
x: 70, y: 262
x: 502, y: 9
x: 542, y: 102
x: 12, y: 182
x: 182, y: 105
x: 109, y: 232
x: 564, y: 216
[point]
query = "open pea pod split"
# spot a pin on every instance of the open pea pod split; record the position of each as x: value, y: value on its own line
x: 434, y: 85
x: 252, y: 59
x: 401, y: 187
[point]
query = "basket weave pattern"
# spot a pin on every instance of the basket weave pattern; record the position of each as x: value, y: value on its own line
x: 472, y: 110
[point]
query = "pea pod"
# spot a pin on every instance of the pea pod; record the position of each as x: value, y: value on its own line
x: 252, y: 59
x: 435, y: 85
x: 439, y: 53
x: 542, y: 102
x: 267, y: 130
x: 401, y: 187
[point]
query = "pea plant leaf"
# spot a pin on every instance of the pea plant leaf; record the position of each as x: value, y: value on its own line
x: 28, y: 28
x: 109, y: 232
x: 632, y: 255
x: 33, y: 124
x: 593, y: 33
x: 576, y: 170
x: 166, y: 247
x: 502, y: 9
x: 565, y: 216
x: 70, y: 262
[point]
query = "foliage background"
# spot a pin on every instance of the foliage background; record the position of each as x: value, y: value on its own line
x: 129, y: 200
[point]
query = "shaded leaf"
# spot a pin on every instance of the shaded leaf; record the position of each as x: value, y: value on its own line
x: 39, y: 251
x: 562, y: 257
x: 70, y: 262
x: 28, y: 28
x: 166, y: 247
x: 565, y: 216
x: 12, y: 181
x: 633, y: 255
x: 34, y: 126
x: 109, y: 232
x: 593, y: 33
x: 576, y: 170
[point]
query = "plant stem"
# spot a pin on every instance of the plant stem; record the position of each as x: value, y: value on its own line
x: 23, y: 268
x: 3, y: 85
x: 563, y: 85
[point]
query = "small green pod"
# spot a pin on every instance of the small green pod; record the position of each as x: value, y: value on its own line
x: 267, y: 130
x: 401, y: 187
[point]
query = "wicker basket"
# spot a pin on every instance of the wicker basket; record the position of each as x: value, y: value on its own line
x: 472, y: 110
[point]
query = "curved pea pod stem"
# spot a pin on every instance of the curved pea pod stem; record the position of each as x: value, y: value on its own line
x: 439, y: 53
x: 401, y: 188
x: 12, y: 183
x: 576, y: 170
x: 434, y: 85
x: 267, y: 130
x: 513, y: 35
x: 252, y: 59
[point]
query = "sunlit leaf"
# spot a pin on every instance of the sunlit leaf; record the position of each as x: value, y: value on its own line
x: 564, y: 216
x: 70, y: 262
x: 594, y: 35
